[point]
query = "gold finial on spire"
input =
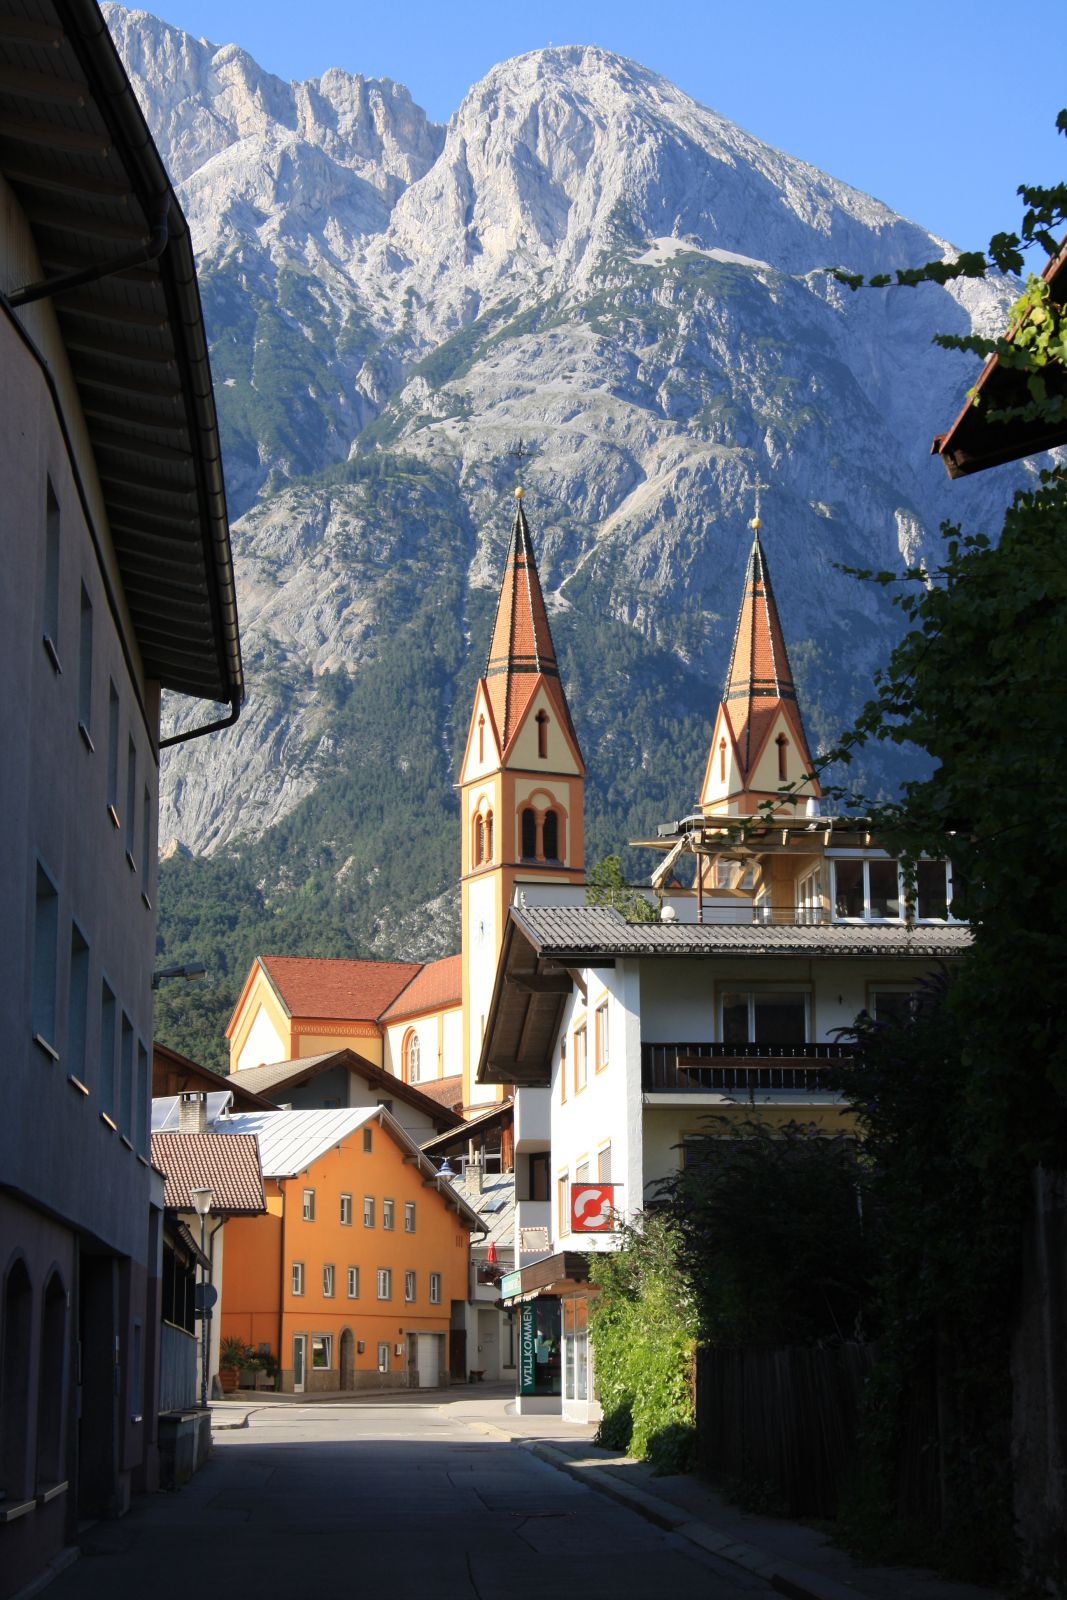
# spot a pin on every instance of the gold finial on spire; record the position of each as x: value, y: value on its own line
x: 749, y: 488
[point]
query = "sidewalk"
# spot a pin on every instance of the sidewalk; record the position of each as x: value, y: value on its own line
x: 795, y: 1559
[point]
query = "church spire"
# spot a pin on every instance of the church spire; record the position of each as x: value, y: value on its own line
x: 521, y: 653
x: 759, y: 744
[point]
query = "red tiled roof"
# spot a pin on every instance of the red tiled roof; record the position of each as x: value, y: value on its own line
x: 448, y: 1092
x: 760, y: 680
x: 439, y: 984
x: 521, y: 654
x: 226, y: 1163
x: 353, y: 991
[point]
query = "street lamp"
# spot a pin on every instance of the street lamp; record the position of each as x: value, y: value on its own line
x: 202, y: 1205
x: 190, y: 971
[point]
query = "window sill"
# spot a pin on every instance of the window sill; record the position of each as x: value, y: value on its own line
x: 76, y: 1083
x: 21, y: 1508
x: 106, y: 1120
x: 53, y: 1492
x: 86, y: 738
x: 127, y: 1142
x: 45, y: 1048
x: 53, y: 655
x: 130, y: 862
x: 145, y: 901
x: 113, y: 814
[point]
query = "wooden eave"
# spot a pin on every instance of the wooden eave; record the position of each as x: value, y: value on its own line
x: 524, y: 1014
x: 77, y: 152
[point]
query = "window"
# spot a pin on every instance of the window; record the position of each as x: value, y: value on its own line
x: 108, y: 1044
x: 542, y: 737
x: 385, y: 1284
x: 346, y: 1210
x: 529, y: 835
x: 538, y: 1175
x: 85, y: 669
x: 146, y: 842
x: 412, y: 1057
x: 893, y: 1004
x: 328, y: 1281
x: 409, y: 1216
x: 409, y: 1286
x: 581, y: 1172
x: 783, y: 745
x: 550, y: 836
x: 563, y: 1071
x: 932, y: 886
x: 809, y: 899
x: 322, y: 1350
x: 298, y: 1277
x: 131, y: 801
x: 309, y: 1205
x: 126, y: 1079
x: 78, y: 1008
x: 143, y: 1112
x: 353, y: 1283
x: 368, y: 1144
x: 603, y: 1164
x: 45, y: 958
x: 113, y: 754
x: 563, y: 1204
x: 479, y: 840
x: 50, y: 620
x: 764, y: 1017
x: 601, y: 1035
x: 368, y: 1211
x: 867, y: 890
x: 435, y: 1288
x: 580, y: 1062
x: 489, y: 836
x: 388, y: 1213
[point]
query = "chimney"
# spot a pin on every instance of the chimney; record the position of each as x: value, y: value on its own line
x: 475, y: 1171
x: 193, y: 1114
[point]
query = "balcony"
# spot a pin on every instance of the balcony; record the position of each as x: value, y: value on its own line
x: 736, y: 1068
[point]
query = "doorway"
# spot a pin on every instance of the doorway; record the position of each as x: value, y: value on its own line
x: 348, y: 1369
x: 300, y: 1352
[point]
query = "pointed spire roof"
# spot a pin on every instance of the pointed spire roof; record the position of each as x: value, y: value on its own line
x: 759, y: 684
x: 521, y: 653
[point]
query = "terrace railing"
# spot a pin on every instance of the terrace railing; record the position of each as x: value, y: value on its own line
x: 736, y: 1068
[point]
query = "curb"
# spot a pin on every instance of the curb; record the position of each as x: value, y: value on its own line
x: 796, y: 1582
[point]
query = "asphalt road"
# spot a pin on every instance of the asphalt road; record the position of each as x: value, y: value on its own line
x: 391, y: 1500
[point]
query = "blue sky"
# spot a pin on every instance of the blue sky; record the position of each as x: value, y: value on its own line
x: 938, y: 109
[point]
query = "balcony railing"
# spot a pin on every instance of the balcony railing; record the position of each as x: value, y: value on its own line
x: 736, y: 1068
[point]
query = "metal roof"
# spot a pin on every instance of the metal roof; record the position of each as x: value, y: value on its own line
x: 561, y: 933
x: 76, y: 149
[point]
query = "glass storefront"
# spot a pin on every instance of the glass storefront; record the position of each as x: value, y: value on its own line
x: 539, y: 1347
x: 576, y: 1348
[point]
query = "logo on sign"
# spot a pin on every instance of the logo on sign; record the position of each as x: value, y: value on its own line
x: 592, y: 1207
x: 527, y: 1352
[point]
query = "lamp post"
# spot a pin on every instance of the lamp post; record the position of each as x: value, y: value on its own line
x: 189, y: 972
x: 202, y: 1204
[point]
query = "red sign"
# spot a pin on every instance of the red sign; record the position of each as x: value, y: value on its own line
x: 592, y: 1207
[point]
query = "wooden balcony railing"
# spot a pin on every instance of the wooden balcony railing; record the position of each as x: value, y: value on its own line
x: 736, y: 1068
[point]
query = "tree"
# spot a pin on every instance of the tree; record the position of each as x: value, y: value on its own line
x: 606, y: 886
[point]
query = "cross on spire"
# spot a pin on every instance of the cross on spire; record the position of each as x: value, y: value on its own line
x: 754, y: 488
x: 521, y: 454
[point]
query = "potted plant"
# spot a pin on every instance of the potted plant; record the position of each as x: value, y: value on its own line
x: 231, y: 1358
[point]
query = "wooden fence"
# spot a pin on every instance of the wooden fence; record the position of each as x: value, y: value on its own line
x: 784, y: 1421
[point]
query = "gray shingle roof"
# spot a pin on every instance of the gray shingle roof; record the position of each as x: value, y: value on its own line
x: 559, y: 931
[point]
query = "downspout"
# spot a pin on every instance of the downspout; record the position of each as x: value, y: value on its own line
x: 217, y: 1306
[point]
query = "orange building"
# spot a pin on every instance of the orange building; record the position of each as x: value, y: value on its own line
x: 352, y: 1277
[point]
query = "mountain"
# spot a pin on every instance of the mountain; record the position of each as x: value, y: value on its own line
x: 586, y: 260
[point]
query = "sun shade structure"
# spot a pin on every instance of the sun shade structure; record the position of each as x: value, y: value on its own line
x: 976, y: 440
x: 116, y: 265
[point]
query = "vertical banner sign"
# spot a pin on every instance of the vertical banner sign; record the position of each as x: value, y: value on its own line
x: 527, y: 1336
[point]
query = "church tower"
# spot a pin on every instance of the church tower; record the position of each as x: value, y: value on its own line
x: 521, y: 787
x: 759, y: 744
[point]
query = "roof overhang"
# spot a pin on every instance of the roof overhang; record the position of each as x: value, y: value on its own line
x: 78, y: 154
x: 524, y: 1014
x: 975, y: 441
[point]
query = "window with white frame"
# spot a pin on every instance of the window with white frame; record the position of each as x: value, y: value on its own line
x: 309, y: 1205
x: 322, y: 1350
x: 409, y: 1286
x: 328, y: 1281
x: 388, y: 1213
x: 353, y: 1283
x: 413, y: 1057
x: 580, y: 1059
x: 409, y: 1216
x: 368, y: 1211
x: 764, y: 1016
x: 601, y: 1033
x: 809, y: 899
x: 603, y: 1164
x: 893, y: 1002
x: 867, y: 890
x: 435, y: 1288
x: 298, y: 1277
x: 346, y: 1210
x: 385, y: 1283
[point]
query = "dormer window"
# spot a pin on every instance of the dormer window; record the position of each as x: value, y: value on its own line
x: 542, y: 735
